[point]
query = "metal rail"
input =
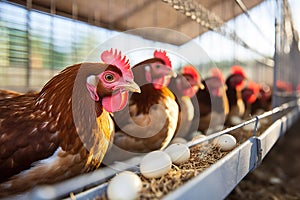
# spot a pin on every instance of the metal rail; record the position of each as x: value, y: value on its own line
x: 276, y: 110
x: 222, y: 177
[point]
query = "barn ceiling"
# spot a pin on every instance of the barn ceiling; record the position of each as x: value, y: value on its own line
x: 123, y: 15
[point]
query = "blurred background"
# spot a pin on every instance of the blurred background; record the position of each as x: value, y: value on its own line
x: 38, y: 38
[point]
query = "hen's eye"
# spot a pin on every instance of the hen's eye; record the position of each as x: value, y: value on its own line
x: 157, y: 66
x: 109, y: 77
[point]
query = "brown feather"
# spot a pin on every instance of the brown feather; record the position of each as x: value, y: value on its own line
x: 5, y: 94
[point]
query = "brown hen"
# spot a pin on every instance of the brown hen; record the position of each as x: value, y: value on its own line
x: 213, y: 103
x: 184, y: 87
x: 235, y: 83
x: 65, y: 129
x: 150, y: 120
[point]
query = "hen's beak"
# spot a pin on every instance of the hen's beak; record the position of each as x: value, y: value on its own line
x: 173, y: 73
x: 131, y: 86
x: 201, y: 86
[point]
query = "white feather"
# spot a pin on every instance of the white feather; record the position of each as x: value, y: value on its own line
x: 92, y: 80
x: 147, y: 68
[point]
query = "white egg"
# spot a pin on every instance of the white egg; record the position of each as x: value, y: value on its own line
x: 179, y: 153
x: 235, y: 120
x: 195, y: 133
x: 199, y: 136
x: 259, y: 111
x: 178, y: 140
x: 264, y: 121
x: 210, y: 131
x: 125, y: 185
x: 250, y: 127
x: 155, y: 164
x: 226, y: 142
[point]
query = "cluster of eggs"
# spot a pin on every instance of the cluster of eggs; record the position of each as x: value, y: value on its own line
x: 127, y: 185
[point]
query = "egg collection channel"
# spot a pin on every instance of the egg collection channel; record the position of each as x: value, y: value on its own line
x: 174, y: 166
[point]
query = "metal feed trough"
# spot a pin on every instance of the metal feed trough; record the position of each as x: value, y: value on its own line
x: 230, y: 169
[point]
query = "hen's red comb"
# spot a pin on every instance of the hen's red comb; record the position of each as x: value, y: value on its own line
x: 282, y: 85
x: 298, y: 88
x: 216, y: 72
x: 236, y: 69
x: 254, y: 87
x: 163, y: 56
x: 113, y: 57
x: 188, y: 69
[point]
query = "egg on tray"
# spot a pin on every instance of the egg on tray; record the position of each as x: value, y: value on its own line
x: 124, y: 186
x: 251, y: 126
x: 178, y: 152
x: 179, y: 140
x: 199, y: 136
x: 226, y: 142
x: 155, y: 164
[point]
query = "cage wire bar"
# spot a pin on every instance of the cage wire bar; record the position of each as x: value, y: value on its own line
x: 195, y: 11
x: 245, y: 10
x: 32, y: 51
x: 286, y: 83
x: 264, y: 64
